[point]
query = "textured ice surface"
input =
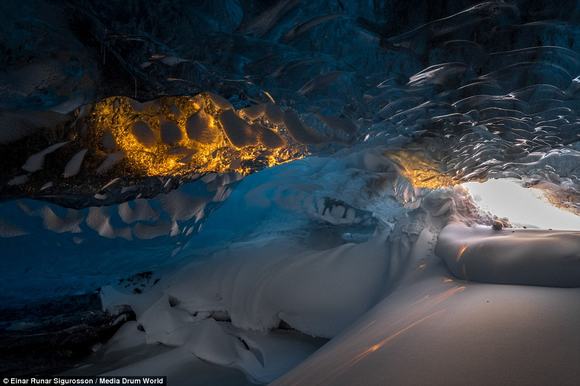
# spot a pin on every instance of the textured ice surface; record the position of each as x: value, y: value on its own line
x: 484, y: 89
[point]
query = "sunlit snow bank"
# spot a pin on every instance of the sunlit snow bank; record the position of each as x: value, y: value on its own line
x: 529, y: 257
x: 283, y: 253
x: 522, y: 206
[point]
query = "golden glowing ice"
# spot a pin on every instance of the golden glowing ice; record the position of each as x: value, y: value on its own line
x: 181, y: 134
x: 421, y: 171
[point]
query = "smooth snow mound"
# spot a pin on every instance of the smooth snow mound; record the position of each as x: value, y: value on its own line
x: 316, y: 292
x: 524, y: 256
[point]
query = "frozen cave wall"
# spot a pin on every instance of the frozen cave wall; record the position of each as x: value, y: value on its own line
x: 478, y: 89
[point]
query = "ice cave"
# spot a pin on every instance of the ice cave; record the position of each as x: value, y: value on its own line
x: 290, y: 192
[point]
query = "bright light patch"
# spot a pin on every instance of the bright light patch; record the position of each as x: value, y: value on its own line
x: 522, y: 206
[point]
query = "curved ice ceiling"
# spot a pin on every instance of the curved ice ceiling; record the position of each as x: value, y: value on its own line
x: 133, y: 122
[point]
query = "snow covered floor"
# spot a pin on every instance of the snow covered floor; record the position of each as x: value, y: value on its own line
x: 418, y: 298
x: 440, y: 331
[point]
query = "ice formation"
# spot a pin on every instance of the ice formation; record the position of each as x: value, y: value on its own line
x: 302, y: 193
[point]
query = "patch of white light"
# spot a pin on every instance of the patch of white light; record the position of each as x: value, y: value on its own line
x: 522, y: 206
